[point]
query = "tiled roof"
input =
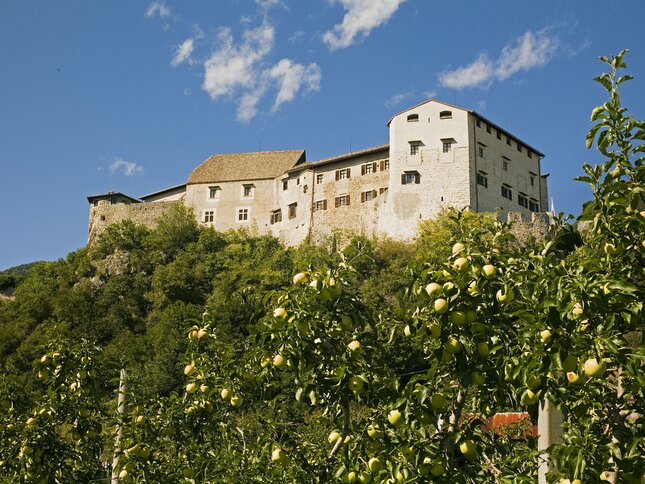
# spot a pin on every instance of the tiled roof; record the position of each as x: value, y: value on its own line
x: 108, y: 195
x: 246, y: 166
x: 343, y: 157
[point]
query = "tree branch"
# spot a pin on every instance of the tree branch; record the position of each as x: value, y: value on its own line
x: 345, y: 431
x: 453, y: 421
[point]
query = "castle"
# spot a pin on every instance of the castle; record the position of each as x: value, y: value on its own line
x: 439, y: 155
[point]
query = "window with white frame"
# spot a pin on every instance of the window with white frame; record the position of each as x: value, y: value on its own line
x: 320, y: 205
x: 534, y: 206
x: 368, y: 168
x: 247, y: 191
x: 213, y: 192
x: 414, y: 147
x: 276, y: 216
x: 385, y: 165
x: 410, y: 177
x: 209, y: 216
x: 242, y: 215
x: 523, y: 200
x: 368, y: 195
x: 445, y: 115
x: 507, y: 192
x: 447, y: 145
x: 319, y: 178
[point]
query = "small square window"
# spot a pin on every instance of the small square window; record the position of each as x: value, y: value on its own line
x: 505, y: 165
x: 414, y: 148
x: 285, y: 184
x: 508, y: 140
x: 368, y: 195
x: 343, y: 174
x: 519, y: 147
x: 242, y: 214
x: 478, y: 123
x: 320, y: 205
x: 319, y: 178
x: 447, y: 146
x: 385, y: 165
x: 209, y: 216
x: 480, y: 151
x: 292, y: 210
x: 529, y: 153
x: 534, y: 206
x: 342, y: 201
x: 213, y: 193
x: 523, y: 200
x: 482, y: 179
x: 499, y: 134
x: 410, y: 177
x: 247, y: 191
x: 276, y: 216
x: 488, y: 128
x: 507, y: 192
x: 532, y: 180
x: 368, y: 168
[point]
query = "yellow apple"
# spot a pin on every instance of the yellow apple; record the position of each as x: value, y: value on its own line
x: 433, y: 289
x: 189, y: 370
x: 573, y: 377
x: 191, y: 388
x: 373, y: 431
x: 461, y: 264
x: 395, y: 417
x: 225, y: 394
x: 478, y: 378
x: 440, y: 305
x: 333, y: 437
x: 593, y: 368
x: 354, y: 345
x: 438, y: 402
x: 504, y: 297
x: 140, y: 420
x: 435, y: 330
x: 438, y: 468
x: 468, y: 448
x: 545, y: 336
x: 278, y: 361
x: 236, y: 400
x: 278, y: 455
x: 365, y: 477
x: 202, y: 333
x: 471, y: 315
x: 204, y: 388
x: 301, y: 278
x: 458, y: 247
x: 489, y: 271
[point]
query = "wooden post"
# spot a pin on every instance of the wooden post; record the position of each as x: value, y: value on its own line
x: 121, y: 409
x: 550, y: 421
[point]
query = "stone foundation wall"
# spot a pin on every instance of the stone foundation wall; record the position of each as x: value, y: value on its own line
x: 524, y: 230
x: 103, y: 215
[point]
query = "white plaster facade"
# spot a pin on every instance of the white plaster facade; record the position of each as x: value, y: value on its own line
x: 438, y: 156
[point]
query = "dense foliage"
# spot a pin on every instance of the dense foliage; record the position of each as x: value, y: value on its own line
x: 381, y: 362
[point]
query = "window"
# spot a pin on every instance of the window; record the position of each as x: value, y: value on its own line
x: 247, y: 191
x: 368, y: 195
x: 410, y: 177
x: 482, y: 179
x: 292, y: 210
x: 447, y: 146
x: 414, y: 147
x: 368, y: 168
x: 523, y: 200
x: 499, y: 134
x: 113, y: 200
x: 532, y: 180
x: 504, y: 164
x: 519, y: 147
x: 488, y: 128
x: 507, y: 192
x: 342, y: 201
x: 209, y: 216
x: 242, y: 214
x: 385, y: 165
x: 478, y: 123
x: 298, y: 181
x: 285, y: 184
x: 534, y: 206
x: 508, y: 140
x: 445, y: 115
x: 319, y: 178
x: 213, y: 193
x: 382, y: 190
x: 413, y: 118
x: 343, y: 174
x: 528, y: 153
x: 276, y: 216
x: 480, y: 151
x: 320, y: 205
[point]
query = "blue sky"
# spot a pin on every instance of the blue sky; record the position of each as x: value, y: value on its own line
x: 131, y: 96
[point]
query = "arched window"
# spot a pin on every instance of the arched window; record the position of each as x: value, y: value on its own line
x: 413, y: 118
x: 445, y: 115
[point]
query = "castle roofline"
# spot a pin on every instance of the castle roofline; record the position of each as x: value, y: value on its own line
x: 476, y: 115
x: 105, y: 196
x: 161, y: 192
x: 343, y: 157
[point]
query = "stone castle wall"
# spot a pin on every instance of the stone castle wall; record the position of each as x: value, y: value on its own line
x: 105, y: 214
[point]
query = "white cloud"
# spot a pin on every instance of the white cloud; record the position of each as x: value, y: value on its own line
x: 429, y: 94
x: 296, y: 36
x: 157, y: 8
x: 532, y: 49
x: 397, y: 99
x: 291, y: 77
x: 361, y: 17
x: 183, y: 52
x: 240, y: 70
x: 127, y: 168
x: 267, y: 4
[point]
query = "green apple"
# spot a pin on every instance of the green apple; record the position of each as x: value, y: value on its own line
x: 373, y: 431
x: 425, y: 467
x: 407, y: 331
x: 473, y: 290
x: 191, y: 388
x: 458, y: 247
x: 577, y: 310
x: 504, y: 297
x: 31, y: 421
x: 446, y: 356
x: 435, y: 330
x: 123, y: 475
x: 139, y: 420
x: 482, y: 349
x: 278, y: 455
x: 545, y: 336
x: 375, y: 465
x: 236, y: 400
x: 189, y: 370
x: 354, y: 345
x: 301, y: 278
x: 356, y: 385
x: 278, y: 361
x: 365, y: 477
x: 458, y: 317
x: 478, y: 378
x: 573, y: 377
x: 593, y: 368
x: 438, y: 467
x: 471, y: 315
x: 438, y: 402
x: 395, y: 417
x: 440, y: 305
x: 266, y: 361
x: 280, y: 314
x: 468, y: 448
x: 461, y: 264
x: 350, y: 477
x: 570, y: 363
x: 204, y: 388
x: 453, y: 345
x: 333, y: 437
x: 433, y: 289
x: 346, y: 322
x: 489, y: 271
